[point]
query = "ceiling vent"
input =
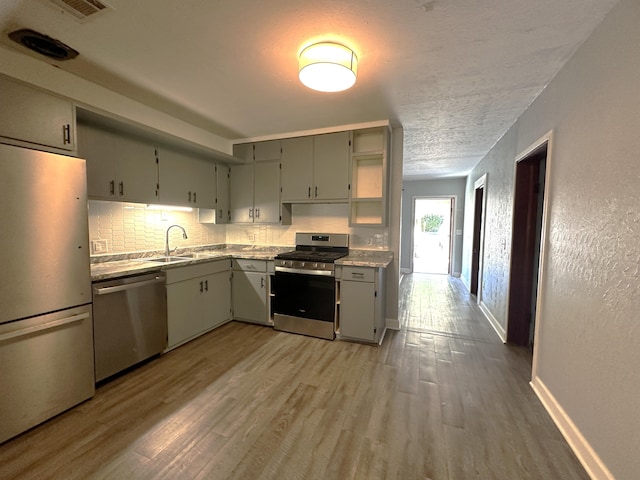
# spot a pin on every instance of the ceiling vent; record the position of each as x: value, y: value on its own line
x: 42, y: 44
x: 82, y: 9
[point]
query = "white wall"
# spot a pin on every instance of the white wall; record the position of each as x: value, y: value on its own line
x: 588, y: 337
x: 451, y: 187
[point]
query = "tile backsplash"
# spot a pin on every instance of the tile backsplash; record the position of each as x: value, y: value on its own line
x: 130, y: 227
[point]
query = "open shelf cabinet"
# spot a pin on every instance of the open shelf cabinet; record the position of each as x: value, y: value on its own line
x: 369, y: 179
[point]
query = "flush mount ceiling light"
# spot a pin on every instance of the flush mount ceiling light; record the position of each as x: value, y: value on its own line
x: 328, y: 67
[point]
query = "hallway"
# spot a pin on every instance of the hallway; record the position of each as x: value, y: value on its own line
x: 493, y: 425
x: 441, y: 399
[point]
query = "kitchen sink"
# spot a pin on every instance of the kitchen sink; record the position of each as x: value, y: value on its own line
x: 168, y: 259
x: 178, y: 258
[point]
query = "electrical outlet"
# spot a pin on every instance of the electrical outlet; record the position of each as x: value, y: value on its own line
x: 98, y: 246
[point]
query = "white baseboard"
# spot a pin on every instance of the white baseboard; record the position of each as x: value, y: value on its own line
x: 494, y: 322
x: 405, y: 270
x: 465, y: 282
x: 456, y: 274
x: 589, y: 459
x: 393, y: 323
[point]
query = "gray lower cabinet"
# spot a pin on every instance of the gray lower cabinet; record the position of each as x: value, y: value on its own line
x: 250, y: 291
x: 362, y: 306
x: 198, y: 299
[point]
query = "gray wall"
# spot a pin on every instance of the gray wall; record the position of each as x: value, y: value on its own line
x: 587, y: 353
x: 431, y: 188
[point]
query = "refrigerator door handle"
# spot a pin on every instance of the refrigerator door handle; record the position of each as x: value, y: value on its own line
x: 45, y: 326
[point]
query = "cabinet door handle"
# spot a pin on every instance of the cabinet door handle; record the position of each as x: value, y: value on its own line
x: 261, y: 282
x: 201, y: 287
x: 206, y: 285
x: 357, y: 275
x: 251, y: 213
x: 121, y: 188
x: 66, y: 134
x: 220, y: 214
x: 316, y: 192
x: 189, y: 197
x: 257, y: 213
x: 309, y: 194
x: 112, y: 187
x: 194, y: 197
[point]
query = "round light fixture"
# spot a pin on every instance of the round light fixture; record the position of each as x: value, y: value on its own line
x: 328, y: 67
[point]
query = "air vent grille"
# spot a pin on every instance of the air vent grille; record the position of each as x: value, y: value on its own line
x: 81, y: 8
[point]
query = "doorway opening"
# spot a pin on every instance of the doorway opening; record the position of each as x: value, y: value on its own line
x: 528, y: 212
x: 432, y: 229
x: 475, y: 281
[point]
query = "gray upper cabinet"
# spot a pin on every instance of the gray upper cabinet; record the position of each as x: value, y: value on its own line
x: 267, y: 192
x: 185, y: 180
x: 297, y: 169
x: 119, y: 167
x: 316, y: 168
x: 223, y: 212
x: 331, y: 166
x: 243, y: 151
x: 266, y: 151
x: 33, y: 116
x: 241, y: 193
x: 255, y: 193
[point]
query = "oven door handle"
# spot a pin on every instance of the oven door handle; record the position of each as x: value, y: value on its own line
x: 324, y: 273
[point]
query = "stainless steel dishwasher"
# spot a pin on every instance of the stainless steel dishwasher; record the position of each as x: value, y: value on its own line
x: 130, y: 321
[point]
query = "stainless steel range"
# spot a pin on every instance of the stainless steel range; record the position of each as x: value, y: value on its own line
x: 304, y: 285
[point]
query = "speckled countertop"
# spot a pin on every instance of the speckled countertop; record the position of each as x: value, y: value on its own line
x: 367, y: 258
x: 106, y: 267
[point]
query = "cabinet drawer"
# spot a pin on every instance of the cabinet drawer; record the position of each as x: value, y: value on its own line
x: 198, y: 270
x: 250, y: 265
x: 358, y: 274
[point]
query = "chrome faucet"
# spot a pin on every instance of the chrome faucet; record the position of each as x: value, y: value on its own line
x: 167, y: 251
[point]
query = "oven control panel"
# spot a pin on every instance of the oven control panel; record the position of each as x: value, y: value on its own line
x: 304, y: 266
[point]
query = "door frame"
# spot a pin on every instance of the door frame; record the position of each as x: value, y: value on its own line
x: 454, y: 201
x: 538, y: 322
x: 480, y: 183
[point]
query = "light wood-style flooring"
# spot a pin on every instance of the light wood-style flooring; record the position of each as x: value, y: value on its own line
x: 441, y: 399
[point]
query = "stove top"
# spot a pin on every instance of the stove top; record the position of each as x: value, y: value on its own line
x: 314, y: 251
x: 312, y: 255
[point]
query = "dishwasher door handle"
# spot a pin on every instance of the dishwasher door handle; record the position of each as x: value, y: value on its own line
x: 128, y: 286
x: 45, y: 326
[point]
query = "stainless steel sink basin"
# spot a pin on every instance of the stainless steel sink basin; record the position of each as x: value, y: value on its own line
x: 178, y: 258
x: 167, y: 259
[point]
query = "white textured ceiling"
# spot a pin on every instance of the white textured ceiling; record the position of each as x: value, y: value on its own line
x: 455, y: 74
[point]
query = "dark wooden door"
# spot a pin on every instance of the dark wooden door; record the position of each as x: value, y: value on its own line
x: 525, y: 246
x: 477, y: 235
